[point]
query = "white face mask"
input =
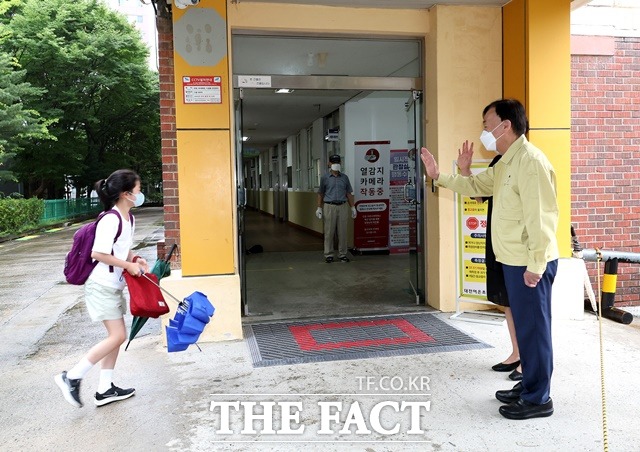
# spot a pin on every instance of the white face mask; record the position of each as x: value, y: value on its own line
x: 335, y: 167
x: 489, y: 140
x: 139, y: 199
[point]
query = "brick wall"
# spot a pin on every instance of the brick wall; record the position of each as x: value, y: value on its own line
x: 605, y: 153
x: 168, y: 133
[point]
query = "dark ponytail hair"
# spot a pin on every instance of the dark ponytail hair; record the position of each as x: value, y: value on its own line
x: 119, y: 181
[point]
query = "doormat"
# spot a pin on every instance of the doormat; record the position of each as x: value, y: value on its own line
x: 334, y: 339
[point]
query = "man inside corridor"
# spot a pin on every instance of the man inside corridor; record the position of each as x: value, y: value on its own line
x: 335, y: 195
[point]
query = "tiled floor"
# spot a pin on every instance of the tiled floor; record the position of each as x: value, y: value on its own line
x: 274, y: 235
x: 290, y: 279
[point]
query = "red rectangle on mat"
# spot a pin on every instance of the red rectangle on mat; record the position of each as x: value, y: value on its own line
x: 302, y: 334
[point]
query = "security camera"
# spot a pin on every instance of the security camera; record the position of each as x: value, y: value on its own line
x: 182, y: 4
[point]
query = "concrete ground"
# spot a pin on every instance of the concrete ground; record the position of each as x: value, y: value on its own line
x: 45, y: 330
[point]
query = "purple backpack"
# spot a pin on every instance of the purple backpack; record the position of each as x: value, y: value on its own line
x: 78, y: 264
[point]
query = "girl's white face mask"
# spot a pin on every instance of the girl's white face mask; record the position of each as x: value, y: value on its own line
x: 335, y: 167
x: 139, y: 199
x: 489, y: 140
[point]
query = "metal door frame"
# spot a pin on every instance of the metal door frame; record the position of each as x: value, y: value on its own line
x: 331, y: 82
x: 414, y: 194
x: 241, y: 203
x: 410, y: 84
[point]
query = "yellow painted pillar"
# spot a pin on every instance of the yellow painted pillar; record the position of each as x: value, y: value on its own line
x: 463, y: 74
x: 205, y: 171
x: 537, y: 71
x: 206, y: 193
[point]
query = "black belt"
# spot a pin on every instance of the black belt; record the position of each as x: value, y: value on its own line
x: 336, y: 203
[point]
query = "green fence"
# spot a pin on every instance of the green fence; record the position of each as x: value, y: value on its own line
x: 61, y: 209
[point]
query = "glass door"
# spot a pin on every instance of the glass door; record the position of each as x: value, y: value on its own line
x: 413, y: 194
x: 241, y: 201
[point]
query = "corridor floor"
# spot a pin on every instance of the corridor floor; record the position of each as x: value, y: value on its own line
x: 290, y: 279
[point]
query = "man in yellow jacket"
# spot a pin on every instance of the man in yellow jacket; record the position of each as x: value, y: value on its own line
x: 524, y: 222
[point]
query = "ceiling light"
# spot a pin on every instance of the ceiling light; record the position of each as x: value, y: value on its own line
x: 284, y: 91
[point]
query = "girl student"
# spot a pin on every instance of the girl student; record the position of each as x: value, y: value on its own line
x: 104, y: 289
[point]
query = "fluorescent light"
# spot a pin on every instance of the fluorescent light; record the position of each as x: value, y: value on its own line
x: 245, y: 138
x: 284, y: 91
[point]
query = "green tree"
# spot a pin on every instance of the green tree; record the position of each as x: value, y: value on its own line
x: 92, y: 65
x: 18, y: 124
x: 8, y: 8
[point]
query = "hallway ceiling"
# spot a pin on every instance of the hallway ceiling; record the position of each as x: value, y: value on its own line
x: 269, y: 118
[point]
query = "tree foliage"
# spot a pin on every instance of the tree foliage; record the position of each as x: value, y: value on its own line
x: 98, y: 91
x: 7, y: 10
x: 18, y: 124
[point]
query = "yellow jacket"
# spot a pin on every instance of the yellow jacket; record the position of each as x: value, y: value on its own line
x: 525, y: 208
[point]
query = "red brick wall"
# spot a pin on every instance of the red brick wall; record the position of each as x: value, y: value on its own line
x: 605, y: 153
x: 168, y: 132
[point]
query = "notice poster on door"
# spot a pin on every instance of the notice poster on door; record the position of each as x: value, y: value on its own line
x: 400, y: 211
x: 471, y: 230
x: 371, y: 193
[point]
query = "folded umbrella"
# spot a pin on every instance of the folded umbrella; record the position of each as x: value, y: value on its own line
x: 161, y: 268
x: 192, y: 316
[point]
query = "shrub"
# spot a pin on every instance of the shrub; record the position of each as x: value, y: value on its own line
x: 17, y: 215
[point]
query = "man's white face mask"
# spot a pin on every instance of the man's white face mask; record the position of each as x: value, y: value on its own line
x: 489, y: 140
x: 335, y: 167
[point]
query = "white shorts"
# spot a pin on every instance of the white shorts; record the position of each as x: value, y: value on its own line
x: 104, y: 303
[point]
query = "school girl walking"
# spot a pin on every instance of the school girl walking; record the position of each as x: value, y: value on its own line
x: 104, y: 289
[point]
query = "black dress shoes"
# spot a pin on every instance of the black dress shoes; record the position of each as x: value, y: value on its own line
x: 510, y: 395
x: 521, y: 409
x: 515, y: 375
x: 501, y: 367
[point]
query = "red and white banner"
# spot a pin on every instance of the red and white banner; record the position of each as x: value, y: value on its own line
x: 371, y: 193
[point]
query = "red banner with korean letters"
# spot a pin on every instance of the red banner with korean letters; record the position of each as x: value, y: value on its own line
x: 371, y: 193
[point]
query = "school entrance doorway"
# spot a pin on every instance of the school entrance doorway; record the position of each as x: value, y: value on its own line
x: 291, y: 113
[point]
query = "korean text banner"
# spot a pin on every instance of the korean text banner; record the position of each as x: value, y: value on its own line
x: 471, y: 230
x: 371, y: 193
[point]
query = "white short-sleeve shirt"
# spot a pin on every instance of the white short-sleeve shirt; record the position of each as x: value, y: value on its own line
x: 105, y: 233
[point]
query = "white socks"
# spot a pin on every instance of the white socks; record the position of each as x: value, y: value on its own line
x: 106, y: 377
x: 80, y: 370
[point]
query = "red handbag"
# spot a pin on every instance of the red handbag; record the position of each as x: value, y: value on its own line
x: 146, y: 299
